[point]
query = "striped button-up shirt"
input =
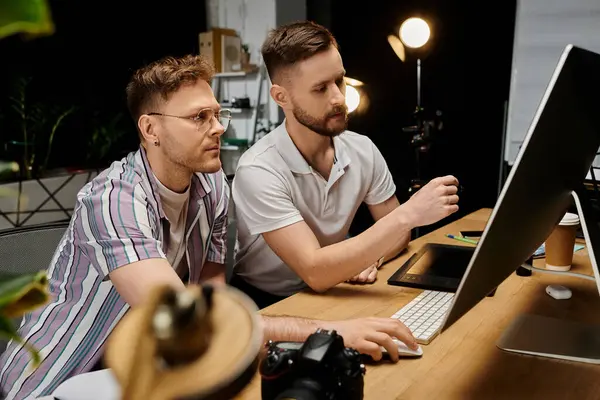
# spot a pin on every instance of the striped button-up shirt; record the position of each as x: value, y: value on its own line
x: 118, y: 219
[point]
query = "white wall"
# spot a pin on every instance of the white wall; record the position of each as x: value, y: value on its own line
x: 543, y: 28
x: 252, y: 19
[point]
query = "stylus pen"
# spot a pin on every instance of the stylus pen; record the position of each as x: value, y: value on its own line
x: 462, y: 239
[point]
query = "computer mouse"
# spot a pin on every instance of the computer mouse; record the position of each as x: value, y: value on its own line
x: 404, y: 351
x: 559, y: 292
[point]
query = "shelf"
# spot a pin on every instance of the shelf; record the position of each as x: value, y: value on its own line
x: 234, y: 144
x: 237, y: 74
x: 229, y: 147
x: 239, y: 110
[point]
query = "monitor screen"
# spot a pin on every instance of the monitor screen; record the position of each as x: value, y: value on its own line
x: 556, y: 155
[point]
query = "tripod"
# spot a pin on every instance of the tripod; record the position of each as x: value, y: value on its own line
x: 422, y: 135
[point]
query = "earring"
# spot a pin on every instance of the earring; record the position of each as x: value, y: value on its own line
x: 156, y: 142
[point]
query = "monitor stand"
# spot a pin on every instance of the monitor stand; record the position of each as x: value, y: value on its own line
x: 557, y: 338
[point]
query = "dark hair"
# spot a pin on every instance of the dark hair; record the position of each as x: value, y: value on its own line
x: 159, y: 79
x: 291, y: 43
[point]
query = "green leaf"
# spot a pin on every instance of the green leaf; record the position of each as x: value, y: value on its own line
x: 18, y: 295
x: 22, y: 293
x: 8, y: 331
x: 31, y: 17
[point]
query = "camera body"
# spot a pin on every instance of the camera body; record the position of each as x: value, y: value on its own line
x: 320, y: 368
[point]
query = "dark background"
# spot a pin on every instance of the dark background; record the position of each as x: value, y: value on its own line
x: 466, y: 73
x: 87, y: 63
x: 466, y: 68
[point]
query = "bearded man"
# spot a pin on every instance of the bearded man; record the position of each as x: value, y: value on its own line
x: 297, y: 189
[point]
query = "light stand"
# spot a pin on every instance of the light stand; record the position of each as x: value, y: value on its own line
x: 417, y: 131
x: 418, y: 83
x: 414, y: 33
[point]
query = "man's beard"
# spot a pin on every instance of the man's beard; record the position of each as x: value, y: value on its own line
x: 320, y: 125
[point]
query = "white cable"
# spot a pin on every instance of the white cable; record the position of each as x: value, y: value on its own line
x: 567, y: 273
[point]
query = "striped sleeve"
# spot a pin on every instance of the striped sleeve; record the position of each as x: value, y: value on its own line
x: 113, y: 226
x: 217, y: 250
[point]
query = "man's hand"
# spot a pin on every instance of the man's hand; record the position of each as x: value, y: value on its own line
x: 367, y: 335
x: 434, y: 201
x: 369, y: 275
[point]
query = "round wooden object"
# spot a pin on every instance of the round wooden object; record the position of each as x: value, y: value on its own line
x: 227, y: 366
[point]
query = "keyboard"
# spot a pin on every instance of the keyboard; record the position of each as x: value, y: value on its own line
x: 425, y: 314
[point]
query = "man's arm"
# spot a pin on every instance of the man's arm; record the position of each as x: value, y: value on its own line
x: 135, y: 281
x: 213, y: 273
x: 265, y: 207
x: 121, y: 247
x: 381, y: 198
x: 378, y: 211
x: 324, y: 267
x: 366, y: 335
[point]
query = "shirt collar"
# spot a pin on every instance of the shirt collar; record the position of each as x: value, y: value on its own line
x: 341, y: 154
x: 200, y: 185
x: 294, y: 159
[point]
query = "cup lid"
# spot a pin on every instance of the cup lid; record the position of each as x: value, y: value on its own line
x: 570, y: 219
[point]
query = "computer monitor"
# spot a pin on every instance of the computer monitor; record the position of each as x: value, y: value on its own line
x: 554, y: 159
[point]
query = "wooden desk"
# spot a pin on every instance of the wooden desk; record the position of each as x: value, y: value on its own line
x: 464, y: 362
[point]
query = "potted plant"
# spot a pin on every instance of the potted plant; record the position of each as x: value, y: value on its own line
x: 22, y: 293
x: 36, y: 124
x: 29, y: 131
x: 107, y: 132
x: 245, y: 56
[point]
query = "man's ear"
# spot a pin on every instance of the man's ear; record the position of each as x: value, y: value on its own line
x: 280, y: 95
x: 147, y: 127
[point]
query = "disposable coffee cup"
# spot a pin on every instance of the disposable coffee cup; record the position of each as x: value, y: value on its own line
x: 560, y: 244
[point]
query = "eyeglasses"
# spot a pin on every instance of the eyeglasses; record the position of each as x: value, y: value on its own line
x: 204, y: 118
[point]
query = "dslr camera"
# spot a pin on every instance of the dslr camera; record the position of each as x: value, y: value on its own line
x: 321, y: 368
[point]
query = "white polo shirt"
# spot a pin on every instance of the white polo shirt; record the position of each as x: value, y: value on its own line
x: 275, y: 187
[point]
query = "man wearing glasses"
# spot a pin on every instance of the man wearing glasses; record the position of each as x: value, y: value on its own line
x: 158, y: 216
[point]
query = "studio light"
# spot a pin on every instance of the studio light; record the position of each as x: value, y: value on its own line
x: 415, y: 32
x: 352, y: 98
